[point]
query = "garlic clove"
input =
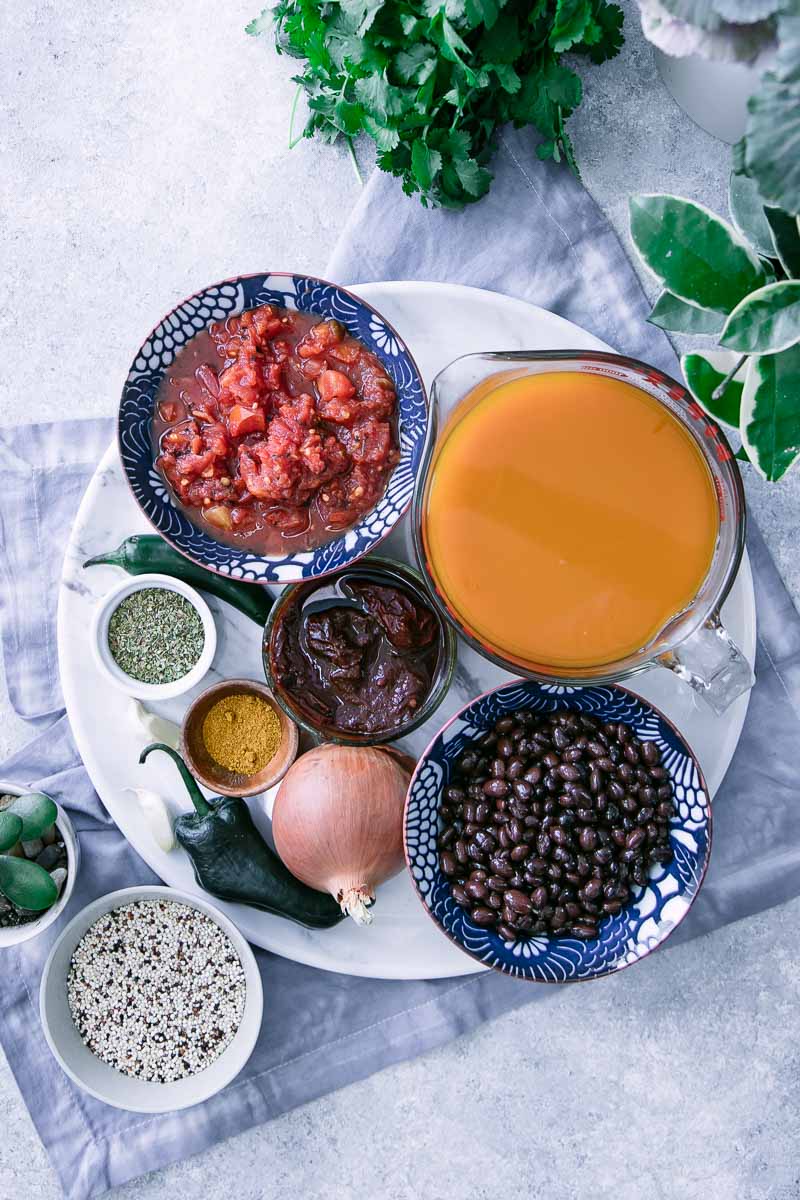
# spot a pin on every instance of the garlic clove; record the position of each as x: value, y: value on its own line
x: 158, y: 729
x: 157, y: 815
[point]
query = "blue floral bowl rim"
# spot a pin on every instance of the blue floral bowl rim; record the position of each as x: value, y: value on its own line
x: 279, y: 275
x: 491, y: 967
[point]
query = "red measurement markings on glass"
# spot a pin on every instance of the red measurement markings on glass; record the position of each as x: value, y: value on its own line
x: 720, y: 498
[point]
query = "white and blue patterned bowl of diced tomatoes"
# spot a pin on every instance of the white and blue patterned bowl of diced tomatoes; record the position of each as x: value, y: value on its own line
x: 654, y: 907
x: 271, y: 428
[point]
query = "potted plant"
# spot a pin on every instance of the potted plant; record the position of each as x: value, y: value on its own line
x: 733, y: 66
x: 738, y: 282
x: 38, y: 863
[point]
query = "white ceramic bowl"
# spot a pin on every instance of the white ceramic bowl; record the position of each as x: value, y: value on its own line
x: 101, y: 1080
x: 23, y: 933
x: 105, y: 660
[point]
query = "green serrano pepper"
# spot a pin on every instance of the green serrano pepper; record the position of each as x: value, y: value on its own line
x: 147, y: 552
x: 232, y: 861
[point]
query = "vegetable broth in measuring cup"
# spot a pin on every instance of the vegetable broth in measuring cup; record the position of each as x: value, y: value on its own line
x: 569, y: 517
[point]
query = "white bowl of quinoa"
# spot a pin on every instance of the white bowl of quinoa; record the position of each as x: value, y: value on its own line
x: 151, y: 1000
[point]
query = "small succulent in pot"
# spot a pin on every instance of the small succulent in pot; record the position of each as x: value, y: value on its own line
x: 738, y: 282
x: 33, y: 858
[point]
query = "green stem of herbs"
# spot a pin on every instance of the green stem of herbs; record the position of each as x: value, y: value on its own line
x: 294, y: 140
x: 719, y: 391
x: 354, y: 161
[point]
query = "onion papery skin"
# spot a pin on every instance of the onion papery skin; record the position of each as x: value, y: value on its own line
x: 337, y: 822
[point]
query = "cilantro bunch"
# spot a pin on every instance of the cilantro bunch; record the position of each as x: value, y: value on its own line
x: 431, y: 81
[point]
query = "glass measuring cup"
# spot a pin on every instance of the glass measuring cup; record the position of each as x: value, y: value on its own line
x: 693, y: 643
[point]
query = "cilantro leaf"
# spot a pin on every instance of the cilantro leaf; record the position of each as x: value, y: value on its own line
x: 417, y: 64
x: 571, y: 20
x: 384, y: 137
x: 432, y: 81
x: 425, y: 163
x: 378, y: 97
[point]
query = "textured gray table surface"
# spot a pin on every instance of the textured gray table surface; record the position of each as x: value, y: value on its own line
x: 144, y: 153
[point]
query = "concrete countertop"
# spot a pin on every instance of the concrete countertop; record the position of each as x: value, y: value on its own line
x: 144, y: 154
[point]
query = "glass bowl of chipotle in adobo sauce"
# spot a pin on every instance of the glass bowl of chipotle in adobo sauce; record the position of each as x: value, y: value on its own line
x: 359, y: 658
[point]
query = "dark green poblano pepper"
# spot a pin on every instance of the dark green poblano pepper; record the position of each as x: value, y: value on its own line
x: 232, y: 861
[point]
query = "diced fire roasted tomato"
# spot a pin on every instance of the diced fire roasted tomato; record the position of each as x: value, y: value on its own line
x: 246, y: 420
x: 293, y: 435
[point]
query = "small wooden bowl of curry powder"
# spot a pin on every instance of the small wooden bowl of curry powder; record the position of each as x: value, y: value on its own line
x: 237, y: 740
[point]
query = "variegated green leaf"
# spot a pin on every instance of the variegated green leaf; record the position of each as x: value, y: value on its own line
x: 704, y: 373
x: 671, y: 313
x: 770, y: 413
x: 766, y: 321
x: 786, y: 236
x: 698, y: 257
x: 747, y: 214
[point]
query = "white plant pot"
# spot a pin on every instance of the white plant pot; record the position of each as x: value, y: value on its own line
x: 16, y: 934
x: 713, y: 94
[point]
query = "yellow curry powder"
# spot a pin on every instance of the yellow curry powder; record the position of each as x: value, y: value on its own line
x: 242, y: 733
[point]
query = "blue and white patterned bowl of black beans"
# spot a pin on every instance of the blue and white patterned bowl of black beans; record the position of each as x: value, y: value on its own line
x: 653, y: 911
x: 217, y: 303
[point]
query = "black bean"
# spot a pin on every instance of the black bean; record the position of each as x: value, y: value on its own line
x: 459, y: 895
x: 587, y: 838
x: 517, y: 901
x: 551, y: 760
x: 483, y: 916
x: 454, y: 794
x: 514, y: 768
x: 476, y: 891
x: 559, y: 917
x: 650, y: 754
x: 460, y: 850
x: 484, y: 841
x: 583, y: 931
x: 569, y: 772
x: 447, y: 836
x: 448, y: 863
x: 506, y: 932
x: 635, y: 839
x: 505, y: 747
x: 520, y: 853
x: 592, y: 889
x: 495, y: 900
x: 496, y: 788
x: 603, y: 855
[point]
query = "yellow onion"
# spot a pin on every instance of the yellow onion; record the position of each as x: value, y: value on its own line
x: 337, y: 822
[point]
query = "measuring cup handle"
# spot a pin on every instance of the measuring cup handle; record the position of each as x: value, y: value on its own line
x: 711, y: 663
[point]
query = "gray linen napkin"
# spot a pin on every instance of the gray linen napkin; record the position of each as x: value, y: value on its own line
x: 538, y: 236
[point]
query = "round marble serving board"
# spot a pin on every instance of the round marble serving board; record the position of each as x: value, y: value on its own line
x: 439, y: 322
